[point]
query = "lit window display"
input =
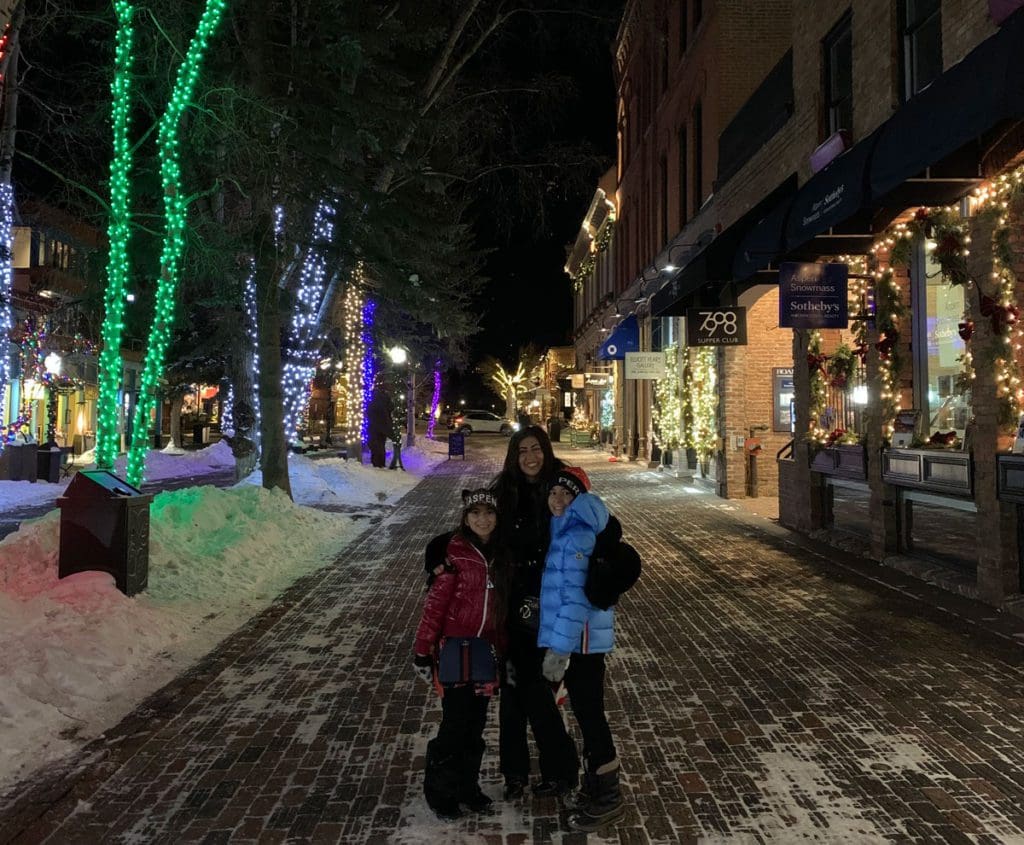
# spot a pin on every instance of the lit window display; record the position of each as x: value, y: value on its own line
x: 939, y: 389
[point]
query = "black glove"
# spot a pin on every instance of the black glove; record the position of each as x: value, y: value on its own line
x: 423, y: 665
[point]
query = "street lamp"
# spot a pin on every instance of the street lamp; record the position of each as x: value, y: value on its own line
x: 399, y: 357
x: 52, y: 363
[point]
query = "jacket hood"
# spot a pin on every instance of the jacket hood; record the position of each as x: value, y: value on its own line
x: 588, y: 509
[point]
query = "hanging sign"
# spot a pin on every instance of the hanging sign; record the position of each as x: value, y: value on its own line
x: 813, y: 296
x: 645, y: 365
x: 716, y: 326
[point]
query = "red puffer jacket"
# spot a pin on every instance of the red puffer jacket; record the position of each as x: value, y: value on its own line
x: 461, y: 601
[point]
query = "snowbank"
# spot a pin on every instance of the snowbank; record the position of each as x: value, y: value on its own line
x: 76, y: 655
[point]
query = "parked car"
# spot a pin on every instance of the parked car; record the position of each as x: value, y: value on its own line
x: 483, y: 421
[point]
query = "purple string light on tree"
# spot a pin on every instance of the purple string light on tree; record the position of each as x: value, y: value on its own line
x: 435, y: 400
x: 369, y: 363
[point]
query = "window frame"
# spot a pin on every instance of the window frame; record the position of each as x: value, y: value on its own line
x: 909, y: 33
x: 832, y: 105
x: 683, y: 183
x: 697, y: 125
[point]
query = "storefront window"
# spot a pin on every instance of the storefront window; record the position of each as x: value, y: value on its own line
x: 938, y: 390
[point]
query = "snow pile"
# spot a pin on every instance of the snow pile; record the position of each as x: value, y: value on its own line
x: 76, y: 655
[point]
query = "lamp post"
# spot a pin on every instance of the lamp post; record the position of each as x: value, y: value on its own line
x: 52, y: 364
x: 399, y: 357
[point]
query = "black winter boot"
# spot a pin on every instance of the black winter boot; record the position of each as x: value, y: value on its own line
x: 441, y: 783
x: 605, y: 804
x: 585, y: 793
x: 469, y: 792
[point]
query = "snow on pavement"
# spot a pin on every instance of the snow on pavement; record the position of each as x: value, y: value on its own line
x: 76, y: 655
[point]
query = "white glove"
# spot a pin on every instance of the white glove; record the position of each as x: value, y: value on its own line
x: 423, y: 666
x: 554, y: 665
x: 510, y: 673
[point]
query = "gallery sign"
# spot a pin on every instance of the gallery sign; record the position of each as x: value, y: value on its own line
x: 716, y: 326
x: 645, y: 365
x: 813, y: 296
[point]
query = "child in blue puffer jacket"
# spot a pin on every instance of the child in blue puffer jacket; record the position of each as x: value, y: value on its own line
x: 577, y: 635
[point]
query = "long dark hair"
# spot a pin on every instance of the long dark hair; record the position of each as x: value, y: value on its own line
x: 510, y: 483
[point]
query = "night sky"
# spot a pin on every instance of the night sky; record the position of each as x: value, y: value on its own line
x: 528, y: 298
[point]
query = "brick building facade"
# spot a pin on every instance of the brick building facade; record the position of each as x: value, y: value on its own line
x: 882, y: 135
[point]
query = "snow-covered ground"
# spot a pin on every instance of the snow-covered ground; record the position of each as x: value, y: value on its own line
x: 76, y: 655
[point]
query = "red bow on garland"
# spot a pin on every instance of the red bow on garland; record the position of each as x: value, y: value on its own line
x: 1000, y: 315
x: 816, y: 363
x: 838, y: 434
x: 966, y: 329
x: 886, y: 344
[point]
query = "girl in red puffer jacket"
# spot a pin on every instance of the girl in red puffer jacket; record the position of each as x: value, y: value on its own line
x: 466, y: 600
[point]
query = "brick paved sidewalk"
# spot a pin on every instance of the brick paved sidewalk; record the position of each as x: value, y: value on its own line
x: 759, y: 695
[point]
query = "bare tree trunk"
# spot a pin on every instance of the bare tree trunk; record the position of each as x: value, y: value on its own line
x: 273, y: 448
x: 9, y: 69
x: 177, y: 399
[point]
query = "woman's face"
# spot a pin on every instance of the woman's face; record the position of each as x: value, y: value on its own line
x: 531, y: 458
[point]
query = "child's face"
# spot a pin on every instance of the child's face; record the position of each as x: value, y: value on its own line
x: 481, y: 520
x: 559, y: 499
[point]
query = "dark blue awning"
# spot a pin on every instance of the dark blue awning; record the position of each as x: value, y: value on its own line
x: 625, y: 337
x: 967, y: 100
x: 831, y: 196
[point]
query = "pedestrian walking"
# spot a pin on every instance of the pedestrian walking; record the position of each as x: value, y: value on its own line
x: 456, y: 647
x: 576, y: 636
x: 526, y: 697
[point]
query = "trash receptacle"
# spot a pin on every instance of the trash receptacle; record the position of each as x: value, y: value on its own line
x: 201, y: 435
x: 48, y: 460
x: 104, y: 526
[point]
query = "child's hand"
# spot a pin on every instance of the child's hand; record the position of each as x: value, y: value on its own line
x: 554, y: 665
x: 423, y: 665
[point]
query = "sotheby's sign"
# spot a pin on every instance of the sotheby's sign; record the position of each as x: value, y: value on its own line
x: 813, y: 296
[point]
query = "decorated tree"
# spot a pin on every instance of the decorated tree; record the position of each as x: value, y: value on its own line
x: 668, y: 407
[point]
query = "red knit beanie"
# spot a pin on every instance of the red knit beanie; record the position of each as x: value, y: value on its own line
x: 573, y: 479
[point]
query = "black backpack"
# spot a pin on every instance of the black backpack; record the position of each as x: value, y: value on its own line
x: 614, y: 567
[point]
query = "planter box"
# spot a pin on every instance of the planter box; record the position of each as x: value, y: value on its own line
x: 844, y: 461
x: 1010, y: 478
x: 929, y: 469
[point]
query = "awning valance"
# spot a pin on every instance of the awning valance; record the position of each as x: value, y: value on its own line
x: 967, y: 100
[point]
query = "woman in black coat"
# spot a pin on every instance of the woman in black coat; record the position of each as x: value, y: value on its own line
x: 526, y: 697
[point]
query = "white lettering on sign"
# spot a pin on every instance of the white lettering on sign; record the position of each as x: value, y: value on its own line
x: 715, y: 320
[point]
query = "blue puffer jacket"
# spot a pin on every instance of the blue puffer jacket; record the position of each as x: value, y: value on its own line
x: 568, y: 622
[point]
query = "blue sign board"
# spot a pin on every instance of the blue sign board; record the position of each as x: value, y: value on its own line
x: 456, y: 445
x: 813, y: 296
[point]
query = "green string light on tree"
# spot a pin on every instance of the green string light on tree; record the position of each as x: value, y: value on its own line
x: 174, y: 236
x: 117, y: 233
